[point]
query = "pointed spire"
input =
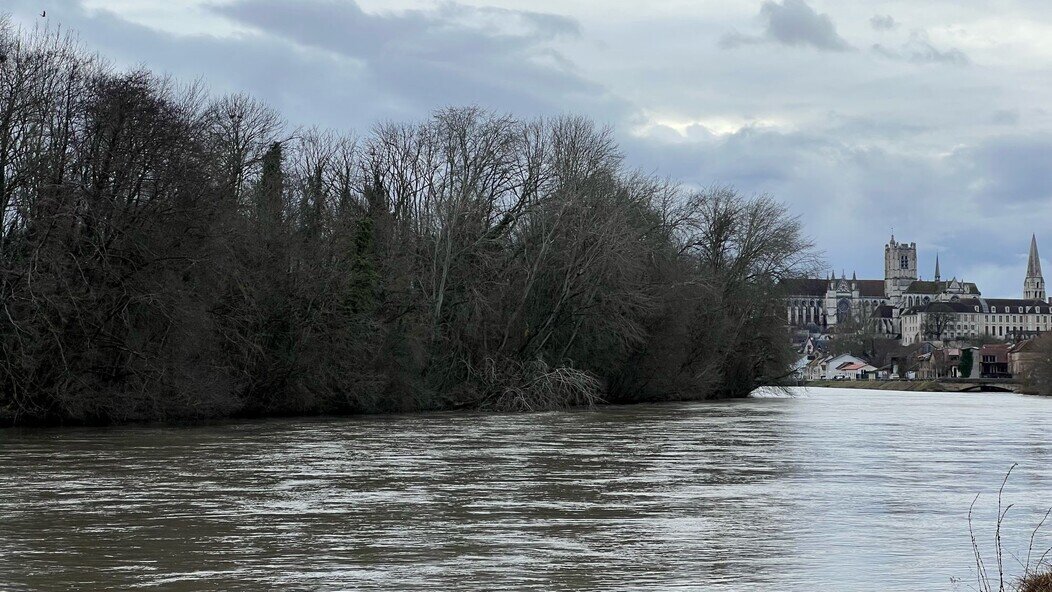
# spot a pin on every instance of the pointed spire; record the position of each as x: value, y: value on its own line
x: 1033, y: 267
x: 937, y: 277
x: 854, y: 276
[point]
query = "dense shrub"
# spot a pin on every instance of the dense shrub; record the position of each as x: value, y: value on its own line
x: 168, y: 255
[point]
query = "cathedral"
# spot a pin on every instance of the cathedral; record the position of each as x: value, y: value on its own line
x: 822, y: 305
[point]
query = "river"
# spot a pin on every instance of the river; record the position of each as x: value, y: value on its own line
x: 826, y: 490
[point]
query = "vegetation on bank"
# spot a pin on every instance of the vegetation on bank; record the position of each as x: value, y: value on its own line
x: 991, y: 573
x: 170, y: 255
x: 1037, y: 377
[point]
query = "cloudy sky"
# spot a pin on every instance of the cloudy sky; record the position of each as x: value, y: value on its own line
x: 930, y: 118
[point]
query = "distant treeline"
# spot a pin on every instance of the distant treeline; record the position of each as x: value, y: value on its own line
x: 168, y: 255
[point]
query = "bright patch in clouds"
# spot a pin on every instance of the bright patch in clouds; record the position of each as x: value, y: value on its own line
x: 709, y: 126
x: 927, y: 117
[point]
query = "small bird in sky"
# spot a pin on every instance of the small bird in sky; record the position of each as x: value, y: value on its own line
x: 43, y: 14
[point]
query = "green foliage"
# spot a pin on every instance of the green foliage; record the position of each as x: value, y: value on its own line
x: 270, y: 193
x: 966, y: 363
x: 363, y: 285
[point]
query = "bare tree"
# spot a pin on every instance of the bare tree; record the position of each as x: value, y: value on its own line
x: 166, y: 254
x: 936, y: 323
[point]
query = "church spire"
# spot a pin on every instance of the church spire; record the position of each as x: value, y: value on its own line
x: 1034, y: 284
x: 1033, y: 267
x: 937, y: 277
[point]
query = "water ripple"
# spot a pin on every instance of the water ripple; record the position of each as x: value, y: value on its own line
x: 823, y: 490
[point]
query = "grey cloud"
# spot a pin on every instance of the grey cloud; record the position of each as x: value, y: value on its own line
x: 794, y: 23
x: 919, y: 50
x: 1005, y: 117
x: 925, y: 52
x: 453, y: 54
x: 333, y: 64
x: 864, y: 154
x: 883, y: 22
x: 1008, y: 171
x: 836, y: 189
x: 296, y: 82
x: 735, y: 39
x: 985, y: 196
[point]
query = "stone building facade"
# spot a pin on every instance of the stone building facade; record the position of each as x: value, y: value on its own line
x: 819, y: 305
x: 912, y: 309
x: 1005, y: 319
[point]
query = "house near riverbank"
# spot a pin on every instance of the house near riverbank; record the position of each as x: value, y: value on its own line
x: 840, y: 367
x: 1025, y: 356
x: 949, y: 362
x: 855, y: 371
x: 994, y: 360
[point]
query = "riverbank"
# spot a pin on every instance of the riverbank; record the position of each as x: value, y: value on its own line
x: 916, y: 385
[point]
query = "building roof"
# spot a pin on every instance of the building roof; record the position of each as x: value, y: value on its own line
x: 805, y: 286
x: 930, y: 287
x: 998, y: 350
x: 871, y: 288
x: 946, y: 354
x: 818, y: 287
x: 909, y: 350
x: 984, y: 305
x: 954, y: 306
x: 1014, y: 304
x: 1026, y: 347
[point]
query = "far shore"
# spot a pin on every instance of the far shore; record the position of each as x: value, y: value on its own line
x: 944, y: 386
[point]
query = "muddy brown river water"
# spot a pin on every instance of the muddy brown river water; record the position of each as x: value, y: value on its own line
x: 826, y: 490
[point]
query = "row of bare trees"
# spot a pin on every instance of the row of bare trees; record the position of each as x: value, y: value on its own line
x: 166, y: 255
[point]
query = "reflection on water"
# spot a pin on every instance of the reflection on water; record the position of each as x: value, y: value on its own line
x: 830, y: 490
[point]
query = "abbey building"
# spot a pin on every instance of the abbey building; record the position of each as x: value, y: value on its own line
x: 905, y: 307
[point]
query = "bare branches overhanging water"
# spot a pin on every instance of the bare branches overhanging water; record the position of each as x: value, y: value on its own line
x: 168, y: 255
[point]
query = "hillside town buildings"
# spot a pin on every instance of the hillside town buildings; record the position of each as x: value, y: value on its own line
x: 910, y: 309
x: 929, y: 329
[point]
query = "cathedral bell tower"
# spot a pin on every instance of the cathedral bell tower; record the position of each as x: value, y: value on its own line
x: 1034, y: 284
x: 900, y: 268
